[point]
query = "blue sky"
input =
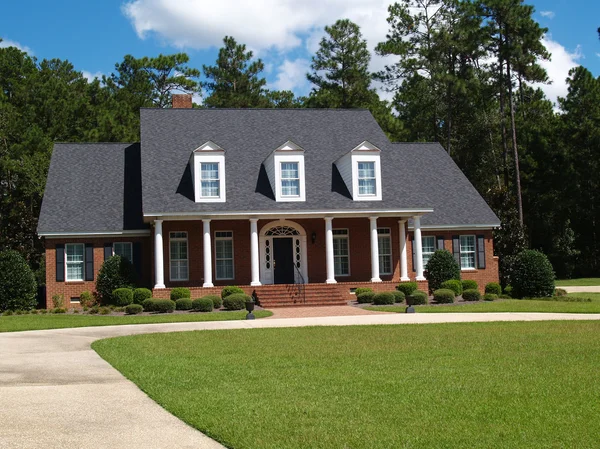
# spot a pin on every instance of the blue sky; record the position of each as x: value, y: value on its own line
x: 96, y: 34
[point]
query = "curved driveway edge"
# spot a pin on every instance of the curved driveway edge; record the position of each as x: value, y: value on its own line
x: 56, y: 392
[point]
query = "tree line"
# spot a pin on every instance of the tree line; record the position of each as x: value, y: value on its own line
x: 459, y: 72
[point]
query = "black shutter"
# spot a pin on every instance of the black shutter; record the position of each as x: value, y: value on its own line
x: 108, y: 250
x: 440, y: 242
x: 137, y: 258
x: 89, y: 261
x: 456, y: 248
x: 413, y: 253
x: 480, y: 251
x: 60, y: 263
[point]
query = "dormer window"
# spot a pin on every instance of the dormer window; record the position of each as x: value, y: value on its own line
x: 366, y: 179
x: 290, y: 179
x: 361, y: 171
x: 208, y: 173
x: 209, y: 179
x: 285, y: 168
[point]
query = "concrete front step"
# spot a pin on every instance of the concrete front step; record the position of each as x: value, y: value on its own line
x: 305, y: 304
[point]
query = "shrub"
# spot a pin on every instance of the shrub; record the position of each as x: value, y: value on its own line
x: 490, y: 297
x: 180, y: 292
x: 533, y: 275
x: 493, y: 288
x: 508, y: 291
x: 407, y: 288
x: 75, y: 310
x: 133, y: 309
x: 147, y: 305
x: 86, y: 299
x: 454, y: 285
x: 236, y: 301
x: 443, y: 296
x: 58, y: 310
x: 58, y: 301
x: 18, y: 289
x: 122, y: 297
x: 118, y: 309
x: 365, y: 298
x: 141, y: 294
x: 398, y: 296
x: 34, y: 311
x: 94, y: 310
x: 441, y: 268
x: 417, y: 298
x: 231, y: 290
x: 104, y: 310
x: 468, y: 284
x: 7, y: 312
x: 360, y: 290
x: 204, y: 304
x: 216, y: 300
x: 471, y: 295
x: 560, y: 292
x: 18, y: 312
x: 162, y: 305
x: 116, y: 272
x: 383, y: 298
x: 183, y: 304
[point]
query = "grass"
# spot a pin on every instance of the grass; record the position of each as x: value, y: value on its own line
x: 583, y: 282
x: 16, y: 323
x: 475, y: 385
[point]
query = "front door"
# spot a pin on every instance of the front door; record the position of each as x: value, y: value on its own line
x: 283, y: 260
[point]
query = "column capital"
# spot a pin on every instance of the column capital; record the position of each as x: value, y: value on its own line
x: 373, y: 218
x: 158, y: 220
x: 417, y: 218
x: 328, y: 218
x: 253, y: 220
x: 404, y: 220
x: 206, y: 220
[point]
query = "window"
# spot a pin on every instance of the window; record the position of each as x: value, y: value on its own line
x: 467, y: 252
x: 366, y: 178
x: 178, y: 256
x: 428, y: 246
x: 123, y: 249
x: 341, y: 252
x: 384, y: 239
x: 209, y: 180
x: 74, y: 261
x: 290, y: 179
x: 224, y: 254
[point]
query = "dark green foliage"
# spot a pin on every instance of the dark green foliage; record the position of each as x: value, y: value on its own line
x: 365, y: 298
x: 471, y: 295
x: 204, y: 304
x: 230, y: 290
x: 17, y: 282
x: 236, y: 301
x: 122, y: 297
x: 417, y: 297
x: 360, y: 290
x: 453, y: 284
x: 180, y: 292
x: 183, y: 304
x: 133, y: 309
x: 560, y: 292
x: 383, y: 298
x: 141, y: 294
x: 490, y: 297
x: 94, y: 310
x: 508, y: 290
x: 216, y: 300
x: 104, y: 311
x: 147, y: 304
x: 116, y: 272
x: 494, y: 288
x: 162, y: 306
x: 444, y: 296
x: 407, y: 288
x: 533, y: 275
x: 468, y: 284
x: 58, y: 310
x: 7, y: 313
x: 441, y: 268
x: 398, y: 296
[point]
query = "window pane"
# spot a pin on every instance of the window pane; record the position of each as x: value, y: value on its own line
x: 366, y: 186
x: 341, y: 251
x: 289, y: 170
x: 428, y: 244
x: 224, y: 249
x: 74, y: 253
x: 210, y: 189
x: 209, y: 171
x: 290, y: 187
x: 74, y: 271
x: 124, y: 250
x: 467, y: 251
x: 385, y: 254
x: 366, y: 170
x: 467, y: 260
x: 178, y: 262
x: 467, y: 243
x: 224, y: 269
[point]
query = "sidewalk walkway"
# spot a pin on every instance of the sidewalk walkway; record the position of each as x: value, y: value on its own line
x: 56, y: 392
x: 586, y: 289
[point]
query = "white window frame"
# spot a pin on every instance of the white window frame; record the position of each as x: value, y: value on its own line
x: 373, y: 157
x: 209, y: 153
x: 187, y: 255
x: 67, y: 245
x: 374, y: 178
x: 385, y: 233
x: 281, y: 178
x: 428, y: 253
x: 282, y: 156
x: 346, y: 237
x: 217, y: 180
x: 123, y: 243
x: 474, y: 252
x: 228, y: 238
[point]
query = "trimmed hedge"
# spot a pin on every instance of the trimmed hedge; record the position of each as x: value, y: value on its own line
x: 180, y: 292
x: 471, y: 295
x: 417, y: 298
x: 360, y: 290
x: 216, y: 300
x: 147, y: 305
x: 441, y: 268
x: 116, y: 272
x: 365, y: 298
x: 122, y: 297
x: 236, y: 301
x: 204, y: 304
x: 18, y: 288
x: 493, y: 288
x: 133, y: 309
x: 383, y: 298
x: 407, y: 288
x: 444, y: 296
x: 453, y: 284
x: 183, y: 304
x: 231, y: 290
x: 490, y: 297
x: 162, y: 305
x: 533, y: 275
x: 398, y: 296
x: 140, y: 295
x: 468, y: 284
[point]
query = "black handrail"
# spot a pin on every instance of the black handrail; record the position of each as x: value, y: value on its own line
x: 301, y: 289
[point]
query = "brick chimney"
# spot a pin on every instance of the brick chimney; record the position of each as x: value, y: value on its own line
x: 182, y: 101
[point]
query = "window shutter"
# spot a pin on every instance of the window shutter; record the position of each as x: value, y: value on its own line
x: 440, y: 242
x: 480, y: 251
x: 137, y: 258
x: 89, y: 261
x: 108, y: 250
x: 456, y: 248
x: 413, y: 252
x: 60, y: 263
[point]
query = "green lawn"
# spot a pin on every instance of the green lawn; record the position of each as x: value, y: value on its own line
x: 578, y: 282
x: 59, y: 321
x: 475, y: 385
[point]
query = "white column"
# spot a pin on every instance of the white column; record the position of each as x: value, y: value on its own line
x: 159, y: 270
x: 254, y: 260
x: 403, y: 258
x: 418, y: 249
x: 374, y: 251
x: 207, y: 255
x: 329, y: 250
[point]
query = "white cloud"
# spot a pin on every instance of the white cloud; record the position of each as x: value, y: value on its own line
x: 91, y: 76
x: 547, y: 14
x: 291, y: 75
x: 8, y: 43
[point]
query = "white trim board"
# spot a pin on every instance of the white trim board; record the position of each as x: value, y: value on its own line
x: 56, y: 235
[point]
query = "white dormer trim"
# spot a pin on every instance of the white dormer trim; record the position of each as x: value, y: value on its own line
x: 348, y: 167
x: 208, y: 153
x: 288, y: 152
x: 365, y: 146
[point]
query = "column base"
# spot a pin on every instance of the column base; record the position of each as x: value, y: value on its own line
x: 159, y: 286
x: 376, y: 280
x: 255, y: 284
x: 406, y: 279
x: 421, y: 278
x: 208, y: 284
x: 331, y: 281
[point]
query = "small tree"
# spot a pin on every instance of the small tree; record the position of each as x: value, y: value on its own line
x: 533, y: 275
x: 441, y: 268
x: 17, y: 283
x: 116, y: 272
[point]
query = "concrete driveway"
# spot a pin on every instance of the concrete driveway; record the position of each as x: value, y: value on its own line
x: 582, y: 289
x: 55, y: 392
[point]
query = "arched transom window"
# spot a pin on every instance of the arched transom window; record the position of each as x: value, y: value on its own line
x: 282, y: 231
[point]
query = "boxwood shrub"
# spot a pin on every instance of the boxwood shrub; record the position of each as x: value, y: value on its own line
x: 231, y: 290
x: 236, y: 301
x: 490, y: 297
x: 417, y: 297
x: 407, y: 288
x: 204, y: 304
x: 443, y: 296
x: 162, y: 305
x: 471, y: 295
x: 180, y: 292
x: 398, y: 296
x: 140, y: 295
x: 18, y: 288
x: 133, y: 309
x: 533, y: 275
x: 383, y: 298
x: 360, y: 290
x: 365, y: 298
x: 183, y: 304
x: 122, y: 297
x: 216, y: 300
x: 147, y: 305
x: 493, y: 288
x: 468, y: 284
x: 453, y: 284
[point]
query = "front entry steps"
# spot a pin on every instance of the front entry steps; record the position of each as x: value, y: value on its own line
x: 296, y: 295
